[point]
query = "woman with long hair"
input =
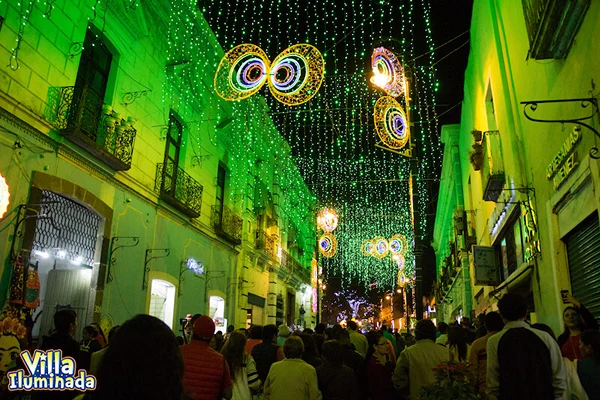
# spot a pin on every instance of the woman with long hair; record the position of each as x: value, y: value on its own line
x: 310, y: 355
x: 457, y: 343
x: 576, y: 319
x: 588, y: 369
x: 142, y: 362
x: 380, y: 367
x: 241, y: 366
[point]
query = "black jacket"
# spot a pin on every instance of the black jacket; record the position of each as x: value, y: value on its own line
x: 264, y: 354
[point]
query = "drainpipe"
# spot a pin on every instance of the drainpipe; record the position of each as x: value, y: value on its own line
x: 467, y: 293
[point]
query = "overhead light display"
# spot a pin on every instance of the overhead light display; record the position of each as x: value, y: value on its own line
x: 332, y: 137
x: 391, y: 123
x: 328, y: 245
x: 294, y: 77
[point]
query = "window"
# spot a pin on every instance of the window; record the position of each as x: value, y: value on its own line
x: 221, y: 189
x: 162, y: 301
x: 510, y: 248
x: 172, y: 152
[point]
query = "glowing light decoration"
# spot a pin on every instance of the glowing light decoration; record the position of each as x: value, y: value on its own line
x: 4, y: 196
x: 391, y: 123
x: 398, y: 244
x: 294, y: 77
x: 327, y: 220
x: 382, y: 247
x: 242, y: 72
x: 367, y: 248
x: 328, y: 245
x: 388, y: 73
x: 297, y: 74
x: 400, y: 261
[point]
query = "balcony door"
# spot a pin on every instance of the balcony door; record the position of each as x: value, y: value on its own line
x: 90, y: 85
x: 174, y: 135
x: 220, y: 192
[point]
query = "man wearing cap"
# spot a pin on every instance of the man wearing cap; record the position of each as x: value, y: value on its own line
x: 206, y: 373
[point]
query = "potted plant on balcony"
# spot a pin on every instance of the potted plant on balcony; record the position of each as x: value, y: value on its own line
x: 452, y: 382
x: 476, y: 156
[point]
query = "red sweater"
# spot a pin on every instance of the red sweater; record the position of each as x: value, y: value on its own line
x: 205, y: 373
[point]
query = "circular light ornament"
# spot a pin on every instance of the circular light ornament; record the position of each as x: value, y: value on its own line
x: 398, y: 244
x: 242, y: 71
x: 4, y: 196
x: 382, y: 247
x: 327, y: 219
x: 388, y: 73
x: 391, y: 123
x: 328, y: 245
x: 401, y: 279
x: 296, y: 74
x: 367, y: 247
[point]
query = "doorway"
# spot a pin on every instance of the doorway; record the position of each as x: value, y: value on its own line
x: 66, y: 250
x: 162, y: 301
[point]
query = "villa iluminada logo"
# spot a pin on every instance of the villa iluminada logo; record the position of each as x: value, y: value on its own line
x: 49, y: 370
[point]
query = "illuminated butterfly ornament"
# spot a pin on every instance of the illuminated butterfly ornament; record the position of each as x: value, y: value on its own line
x: 391, y: 122
x: 294, y: 77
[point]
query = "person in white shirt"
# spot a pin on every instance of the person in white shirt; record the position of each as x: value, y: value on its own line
x: 522, y: 362
x: 443, y: 330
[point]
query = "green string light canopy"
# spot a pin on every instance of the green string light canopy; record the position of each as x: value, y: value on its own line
x: 331, y: 136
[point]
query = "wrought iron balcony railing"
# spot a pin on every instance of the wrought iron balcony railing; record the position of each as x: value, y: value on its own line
x: 84, y: 119
x: 227, y: 224
x: 179, y: 189
x: 552, y: 25
x: 290, y: 264
x: 266, y: 243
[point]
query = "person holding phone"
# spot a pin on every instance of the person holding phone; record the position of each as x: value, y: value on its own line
x: 576, y: 319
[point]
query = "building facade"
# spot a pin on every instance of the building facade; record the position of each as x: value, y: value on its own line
x: 130, y: 186
x: 517, y: 209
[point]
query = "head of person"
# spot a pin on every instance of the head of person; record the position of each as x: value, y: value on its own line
x: 65, y: 321
x: 310, y: 346
x: 343, y: 336
x: 590, y: 344
x: 443, y: 328
x: 425, y: 329
x: 329, y: 333
x: 89, y: 333
x: 320, y: 328
x: 231, y: 328
x: 383, y: 328
x: 112, y: 332
x: 269, y: 332
x: 572, y: 319
x: 333, y: 352
x: 142, y: 361
x: 377, y: 344
x: 512, y: 307
x: 545, y: 328
x: 234, y: 351
x: 256, y: 332
x: 352, y: 326
x: 98, y: 329
x: 493, y: 322
x: 204, y: 329
x: 293, y: 347
x: 465, y: 323
x: 458, y: 339
x: 283, y: 331
x: 308, y: 331
x: 189, y: 327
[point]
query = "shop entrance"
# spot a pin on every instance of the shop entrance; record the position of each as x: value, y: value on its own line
x: 66, y: 254
x: 583, y: 252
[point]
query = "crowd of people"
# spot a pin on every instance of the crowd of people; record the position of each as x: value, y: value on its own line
x: 507, y: 358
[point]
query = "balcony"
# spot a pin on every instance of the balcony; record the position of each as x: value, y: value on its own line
x: 83, y: 118
x: 552, y: 26
x: 177, y: 188
x: 266, y: 243
x: 292, y: 267
x: 493, y: 166
x: 227, y: 224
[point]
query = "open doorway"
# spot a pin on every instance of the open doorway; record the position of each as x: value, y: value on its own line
x: 216, y: 311
x: 162, y: 301
x: 65, y: 252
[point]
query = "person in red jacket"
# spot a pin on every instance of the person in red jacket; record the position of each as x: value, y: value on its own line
x: 205, y: 372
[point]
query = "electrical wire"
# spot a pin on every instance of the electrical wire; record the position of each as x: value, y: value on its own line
x: 439, y: 47
x: 449, y: 54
